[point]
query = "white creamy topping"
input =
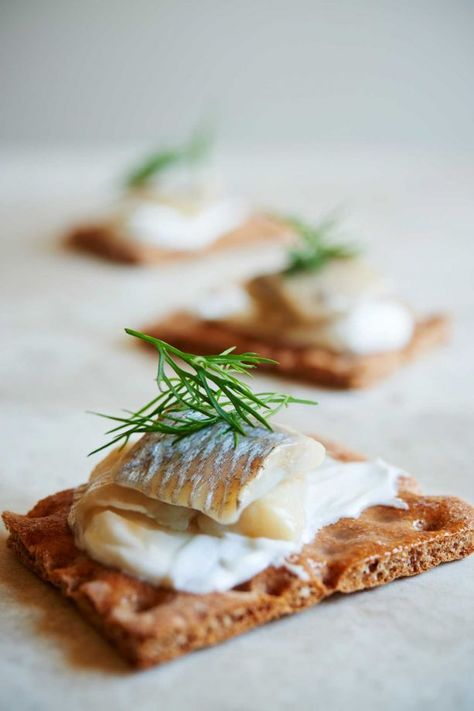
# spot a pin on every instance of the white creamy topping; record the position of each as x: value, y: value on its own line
x: 222, y: 302
x: 372, y: 326
x: 198, y: 562
x: 182, y: 227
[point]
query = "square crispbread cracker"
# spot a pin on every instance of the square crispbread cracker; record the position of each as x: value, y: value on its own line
x: 104, y: 241
x: 150, y: 625
x: 311, y: 364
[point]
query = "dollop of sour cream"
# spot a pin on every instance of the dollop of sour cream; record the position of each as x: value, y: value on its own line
x: 372, y: 326
x: 197, y: 562
x: 181, y: 227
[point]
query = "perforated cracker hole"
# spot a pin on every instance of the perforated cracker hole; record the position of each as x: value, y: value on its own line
x: 372, y: 567
x: 277, y: 587
x: 433, y: 524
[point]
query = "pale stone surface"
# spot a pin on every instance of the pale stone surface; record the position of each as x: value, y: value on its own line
x: 63, y: 352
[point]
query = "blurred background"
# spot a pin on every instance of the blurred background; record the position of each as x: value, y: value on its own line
x: 270, y: 72
x: 367, y: 106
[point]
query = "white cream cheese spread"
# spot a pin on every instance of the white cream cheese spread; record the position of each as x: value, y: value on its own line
x: 278, y: 495
x: 173, y: 228
x: 345, y: 307
x: 374, y: 326
x: 181, y: 222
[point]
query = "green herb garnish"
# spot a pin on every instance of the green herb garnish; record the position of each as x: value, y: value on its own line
x: 191, y: 153
x: 318, y: 246
x: 205, y: 394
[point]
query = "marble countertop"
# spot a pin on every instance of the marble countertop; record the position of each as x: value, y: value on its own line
x: 64, y: 352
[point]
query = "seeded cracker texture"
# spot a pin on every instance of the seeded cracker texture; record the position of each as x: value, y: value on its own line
x: 106, y: 242
x: 310, y: 364
x: 150, y: 625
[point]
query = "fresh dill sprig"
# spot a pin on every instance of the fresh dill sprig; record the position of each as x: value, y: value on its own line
x: 206, y: 393
x: 191, y: 153
x: 317, y: 246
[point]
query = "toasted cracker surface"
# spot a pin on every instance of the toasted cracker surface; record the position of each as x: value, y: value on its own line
x: 311, y: 364
x: 104, y: 241
x: 150, y: 625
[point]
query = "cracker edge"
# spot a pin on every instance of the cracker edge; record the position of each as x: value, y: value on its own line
x: 313, y: 365
x: 103, y: 241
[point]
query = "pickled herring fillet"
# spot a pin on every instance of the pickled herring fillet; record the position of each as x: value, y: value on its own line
x: 207, y: 472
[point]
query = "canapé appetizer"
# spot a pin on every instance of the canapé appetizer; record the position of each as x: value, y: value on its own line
x: 329, y: 317
x: 217, y: 520
x: 171, y: 208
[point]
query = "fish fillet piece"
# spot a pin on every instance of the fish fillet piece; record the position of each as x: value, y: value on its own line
x: 307, y: 297
x: 280, y: 514
x: 205, y: 471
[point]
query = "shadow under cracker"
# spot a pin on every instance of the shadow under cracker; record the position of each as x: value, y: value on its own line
x: 56, y: 618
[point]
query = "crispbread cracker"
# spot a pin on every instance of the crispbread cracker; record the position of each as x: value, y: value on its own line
x: 150, y: 624
x: 104, y: 241
x: 311, y: 364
